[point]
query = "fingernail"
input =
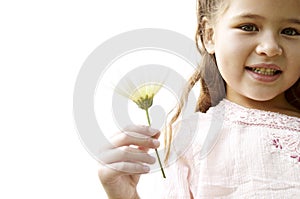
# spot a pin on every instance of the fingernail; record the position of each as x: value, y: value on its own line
x: 153, y: 160
x: 146, y: 168
x: 154, y: 131
x: 156, y: 143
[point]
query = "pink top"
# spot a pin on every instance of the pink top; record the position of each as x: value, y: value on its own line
x: 247, y: 153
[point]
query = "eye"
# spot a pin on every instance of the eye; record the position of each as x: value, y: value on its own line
x: 249, y: 28
x: 290, y: 32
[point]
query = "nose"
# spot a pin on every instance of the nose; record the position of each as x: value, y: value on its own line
x: 269, y: 45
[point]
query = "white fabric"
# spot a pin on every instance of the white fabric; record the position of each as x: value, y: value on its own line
x: 253, y: 154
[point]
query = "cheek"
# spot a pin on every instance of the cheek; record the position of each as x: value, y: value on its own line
x: 297, y: 64
x: 229, y: 70
x: 231, y: 61
x: 294, y: 61
x: 231, y: 56
x: 230, y: 48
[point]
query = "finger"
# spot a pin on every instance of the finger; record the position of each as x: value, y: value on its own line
x: 147, y: 149
x: 156, y: 136
x: 142, y: 129
x: 130, y: 167
x: 126, y: 154
x: 129, y: 138
x: 143, y: 149
x: 110, y: 173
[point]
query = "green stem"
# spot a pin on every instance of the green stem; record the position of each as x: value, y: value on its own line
x: 157, y: 155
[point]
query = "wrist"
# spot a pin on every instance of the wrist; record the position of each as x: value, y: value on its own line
x: 135, y: 196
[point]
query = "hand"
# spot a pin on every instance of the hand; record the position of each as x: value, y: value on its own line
x: 124, y: 161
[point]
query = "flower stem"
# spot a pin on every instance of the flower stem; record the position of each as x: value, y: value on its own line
x: 157, y: 155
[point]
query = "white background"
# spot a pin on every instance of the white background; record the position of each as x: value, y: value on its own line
x: 42, y: 47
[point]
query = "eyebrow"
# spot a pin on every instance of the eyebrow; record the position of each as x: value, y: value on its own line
x: 248, y: 15
x: 295, y: 21
x: 254, y: 16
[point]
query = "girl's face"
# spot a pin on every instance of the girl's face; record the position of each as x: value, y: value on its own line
x: 257, y: 48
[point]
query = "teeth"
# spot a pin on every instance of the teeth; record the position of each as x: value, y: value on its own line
x: 264, y: 71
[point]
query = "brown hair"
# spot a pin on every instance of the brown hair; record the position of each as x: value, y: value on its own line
x: 212, y: 85
x: 293, y: 95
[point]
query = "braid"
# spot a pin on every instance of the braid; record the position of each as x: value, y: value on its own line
x: 212, y: 87
x: 183, y: 99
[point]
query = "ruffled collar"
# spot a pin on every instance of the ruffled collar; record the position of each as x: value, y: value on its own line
x: 253, y: 117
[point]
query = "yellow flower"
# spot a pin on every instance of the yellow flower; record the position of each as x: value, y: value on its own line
x: 143, y: 96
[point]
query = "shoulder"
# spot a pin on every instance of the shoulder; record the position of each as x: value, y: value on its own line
x: 196, y: 130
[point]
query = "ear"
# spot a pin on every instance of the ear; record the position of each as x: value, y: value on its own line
x: 208, y: 37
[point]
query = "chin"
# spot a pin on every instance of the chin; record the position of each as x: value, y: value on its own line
x: 261, y: 98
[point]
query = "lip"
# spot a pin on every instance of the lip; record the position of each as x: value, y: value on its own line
x: 262, y: 77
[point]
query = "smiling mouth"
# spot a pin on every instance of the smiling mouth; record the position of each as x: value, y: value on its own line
x: 264, y: 71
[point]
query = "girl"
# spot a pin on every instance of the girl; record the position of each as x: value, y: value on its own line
x: 251, y: 47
